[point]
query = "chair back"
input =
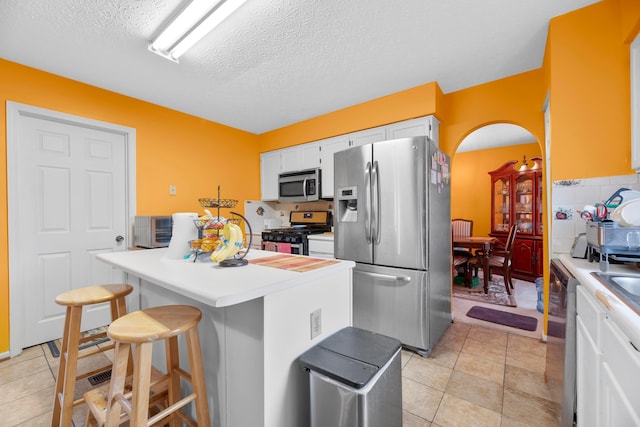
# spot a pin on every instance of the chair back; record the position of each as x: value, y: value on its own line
x: 461, y: 227
x: 511, y: 238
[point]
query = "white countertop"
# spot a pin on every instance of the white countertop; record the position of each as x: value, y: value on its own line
x: 624, y: 316
x: 211, y: 284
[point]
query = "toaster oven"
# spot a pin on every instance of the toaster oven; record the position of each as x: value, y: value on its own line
x: 152, y: 231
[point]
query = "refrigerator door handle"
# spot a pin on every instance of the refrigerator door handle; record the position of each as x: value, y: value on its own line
x: 375, y: 204
x: 395, y: 278
x: 367, y: 204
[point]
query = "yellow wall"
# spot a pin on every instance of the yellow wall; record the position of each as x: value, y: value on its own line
x: 172, y: 148
x: 588, y: 57
x: 416, y: 102
x: 471, y: 183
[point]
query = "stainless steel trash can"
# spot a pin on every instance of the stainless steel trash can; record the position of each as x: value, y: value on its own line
x: 355, y: 380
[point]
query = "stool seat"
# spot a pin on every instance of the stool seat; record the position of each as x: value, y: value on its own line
x: 93, y: 294
x: 155, y: 323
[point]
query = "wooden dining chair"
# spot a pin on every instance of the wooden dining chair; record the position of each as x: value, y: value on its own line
x: 461, y: 227
x: 499, y: 259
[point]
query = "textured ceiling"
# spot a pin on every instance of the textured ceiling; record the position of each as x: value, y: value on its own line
x: 277, y: 62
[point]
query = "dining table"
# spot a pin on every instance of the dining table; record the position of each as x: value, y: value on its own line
x: 485, y: 243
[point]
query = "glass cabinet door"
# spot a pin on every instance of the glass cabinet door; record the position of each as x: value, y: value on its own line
x: 524, y: 203
x: 501, y: 204
x: 539, y: 219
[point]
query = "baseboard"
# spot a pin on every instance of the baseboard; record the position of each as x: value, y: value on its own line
x: 5, y: 356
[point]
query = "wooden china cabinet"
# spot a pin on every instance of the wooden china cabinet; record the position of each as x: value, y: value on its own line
x: 516, y: 198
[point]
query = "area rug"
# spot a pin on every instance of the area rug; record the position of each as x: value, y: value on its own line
x: 504, y: 318
x: 56, y: 345
x: 497, y: 293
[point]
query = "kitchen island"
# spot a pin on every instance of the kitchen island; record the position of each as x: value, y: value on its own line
x: 256, y: 322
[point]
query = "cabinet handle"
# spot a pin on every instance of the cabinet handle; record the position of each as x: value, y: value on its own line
x: 604, y: 300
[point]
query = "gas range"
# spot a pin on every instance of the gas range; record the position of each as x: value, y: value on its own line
x: 294, y: 239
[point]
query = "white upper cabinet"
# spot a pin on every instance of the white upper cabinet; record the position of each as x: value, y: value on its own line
x: 269, y: 172
x: 635, y: 104
x: 428, y: 126
x: 327, y: 149
x: 368, y: 136
x: 300, y: 157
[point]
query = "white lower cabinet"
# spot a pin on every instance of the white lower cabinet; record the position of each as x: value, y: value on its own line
x: 589, y: 358
x: 321, y: 246
x: 608, y: 368
x: 620, y: 378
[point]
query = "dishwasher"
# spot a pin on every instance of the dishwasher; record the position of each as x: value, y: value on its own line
x: 560, y: 366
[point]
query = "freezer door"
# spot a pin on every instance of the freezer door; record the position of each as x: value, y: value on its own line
x: 352, y: 185
x: 399, y: 198
x: 393, y: 302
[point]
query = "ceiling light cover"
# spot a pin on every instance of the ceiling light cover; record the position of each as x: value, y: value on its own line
x: 191, y: 25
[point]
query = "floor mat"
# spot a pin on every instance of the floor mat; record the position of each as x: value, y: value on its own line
x: 499, y: 317
x: 497, y: 293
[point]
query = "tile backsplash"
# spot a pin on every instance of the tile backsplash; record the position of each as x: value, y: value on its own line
x: 569, y: 197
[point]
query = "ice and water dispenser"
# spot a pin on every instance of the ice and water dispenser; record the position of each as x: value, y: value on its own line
x: 347, y: 204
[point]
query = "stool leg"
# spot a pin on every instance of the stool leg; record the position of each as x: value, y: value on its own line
x: 67, y: 370
x: 116, y: 385
x: 119, y: 309
x: 173, y: 363
x: 141, y: 382
x: 197, y: 376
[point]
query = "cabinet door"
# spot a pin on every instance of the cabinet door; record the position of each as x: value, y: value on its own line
x: 538, y: 249
x: 328, y: 147
x: 269, y: 172
x: 309, y: 155
x: 416, y: 127
x: 620, y: 372
x: 501, y: 204
x: 522, y: 260
x: 300, y: 157
x: 367, y: 136
x: 588, y: 358
x: 524, y: 203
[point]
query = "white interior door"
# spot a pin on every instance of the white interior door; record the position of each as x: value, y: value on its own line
x: 71, y: 182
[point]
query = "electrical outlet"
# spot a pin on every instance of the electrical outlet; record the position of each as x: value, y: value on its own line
x: 172, y: 190
x: 316, y: 323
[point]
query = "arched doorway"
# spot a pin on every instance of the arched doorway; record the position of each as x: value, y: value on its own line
x: 485, y: 149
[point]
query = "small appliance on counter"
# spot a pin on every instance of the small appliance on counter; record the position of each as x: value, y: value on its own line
x: 609, y: 241
x: 294, y: 240
x: 152, y: 231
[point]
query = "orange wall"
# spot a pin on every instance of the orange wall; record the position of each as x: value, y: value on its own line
x: 471, y: 183
x: 416, y: 102
x: 588, y: 59
x: 194, y: 154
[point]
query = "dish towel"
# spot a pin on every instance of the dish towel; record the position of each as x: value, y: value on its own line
x: 270, y: 246
x: 284, y: 248
x: 183, y: 230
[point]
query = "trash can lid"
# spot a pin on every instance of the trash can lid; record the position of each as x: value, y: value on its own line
x: 351, y: 356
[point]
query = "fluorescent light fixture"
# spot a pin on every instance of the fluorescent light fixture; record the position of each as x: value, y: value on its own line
x: 191, y: 25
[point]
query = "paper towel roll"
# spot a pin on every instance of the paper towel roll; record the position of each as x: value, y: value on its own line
x: 184, y: 230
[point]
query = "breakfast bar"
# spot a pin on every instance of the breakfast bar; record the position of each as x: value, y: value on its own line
x: 256, y: 323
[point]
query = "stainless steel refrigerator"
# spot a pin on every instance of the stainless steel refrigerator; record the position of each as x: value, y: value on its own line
x: 392, y: 203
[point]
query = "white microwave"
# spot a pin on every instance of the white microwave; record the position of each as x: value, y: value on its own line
x: 300, y: 186
x: 152, y: 231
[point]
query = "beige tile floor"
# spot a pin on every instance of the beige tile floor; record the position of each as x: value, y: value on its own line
x: 477, y: 375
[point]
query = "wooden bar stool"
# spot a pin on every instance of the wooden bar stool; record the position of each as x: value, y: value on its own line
x: 75, y: 300
x: 141, y: 329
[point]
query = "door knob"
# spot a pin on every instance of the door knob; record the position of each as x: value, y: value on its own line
x: 119, y: 239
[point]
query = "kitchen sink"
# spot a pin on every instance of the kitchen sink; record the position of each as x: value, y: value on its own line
x: 625, y: 286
